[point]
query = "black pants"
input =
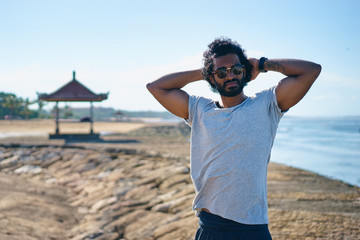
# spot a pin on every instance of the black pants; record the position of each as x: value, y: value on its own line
x: 213, y: 227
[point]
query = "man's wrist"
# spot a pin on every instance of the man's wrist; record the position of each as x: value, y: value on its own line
x: 262, y: 64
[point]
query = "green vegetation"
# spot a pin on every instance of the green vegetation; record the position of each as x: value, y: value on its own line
x: 13, y: 107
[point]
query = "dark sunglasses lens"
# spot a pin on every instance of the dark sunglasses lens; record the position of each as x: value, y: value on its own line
x: 221, y: 73
x: 237, y: 70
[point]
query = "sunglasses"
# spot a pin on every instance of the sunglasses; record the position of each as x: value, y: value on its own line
x: 222, y: 72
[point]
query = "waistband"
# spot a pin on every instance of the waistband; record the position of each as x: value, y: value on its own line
x: 212, y: 221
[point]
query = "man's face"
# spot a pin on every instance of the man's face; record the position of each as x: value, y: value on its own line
x: 232, y: 85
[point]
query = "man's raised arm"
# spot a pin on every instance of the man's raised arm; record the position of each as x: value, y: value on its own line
x: 167, y: 91
x: 300, y: 76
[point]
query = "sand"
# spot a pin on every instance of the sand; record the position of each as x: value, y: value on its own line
x: 47, y: 126
x: 302, y: 205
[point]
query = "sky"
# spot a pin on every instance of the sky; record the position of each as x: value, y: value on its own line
x: 119, y: 46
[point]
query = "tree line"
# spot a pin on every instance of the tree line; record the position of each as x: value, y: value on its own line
x: 14, y: 107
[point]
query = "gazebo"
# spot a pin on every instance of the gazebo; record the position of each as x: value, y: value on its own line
x: 73, y: 91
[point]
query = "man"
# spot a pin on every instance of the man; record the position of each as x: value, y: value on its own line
x: 231, y: 141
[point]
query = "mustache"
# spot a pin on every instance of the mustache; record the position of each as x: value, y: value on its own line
x: 232, y: 80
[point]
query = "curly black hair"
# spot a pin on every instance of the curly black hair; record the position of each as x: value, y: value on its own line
x: 221, y: 47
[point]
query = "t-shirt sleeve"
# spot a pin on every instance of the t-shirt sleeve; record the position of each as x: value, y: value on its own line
x: 275, y: 110
x: 192, y: 103
x: 196, y: 105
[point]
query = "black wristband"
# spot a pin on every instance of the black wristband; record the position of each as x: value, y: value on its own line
x: 261, y: 64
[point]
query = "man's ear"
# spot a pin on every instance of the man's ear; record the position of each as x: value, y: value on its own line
x: 244, y: 73
x: 212, y: 79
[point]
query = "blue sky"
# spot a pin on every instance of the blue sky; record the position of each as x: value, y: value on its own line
x: 119, y: 46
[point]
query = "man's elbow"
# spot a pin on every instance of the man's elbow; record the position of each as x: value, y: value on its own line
x: 150, y: 87
x: 315, y: 72
x: 154, y: 89
x: 317, y: 69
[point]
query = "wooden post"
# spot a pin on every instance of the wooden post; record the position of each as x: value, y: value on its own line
x: 91, y: 118
x: 57, y: 118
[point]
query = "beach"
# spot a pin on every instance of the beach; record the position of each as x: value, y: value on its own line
x: 135, y: 184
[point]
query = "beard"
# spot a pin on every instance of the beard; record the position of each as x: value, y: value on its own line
x: 231, y: 91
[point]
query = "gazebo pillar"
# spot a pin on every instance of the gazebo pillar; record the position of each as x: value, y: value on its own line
x: 57, y: 118
x: 91, y: 118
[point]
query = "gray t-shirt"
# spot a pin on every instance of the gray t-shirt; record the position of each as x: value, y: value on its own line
x: 230, y: 152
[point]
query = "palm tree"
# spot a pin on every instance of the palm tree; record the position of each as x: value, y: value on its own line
x: 26, y: 105
x: 41, y: 104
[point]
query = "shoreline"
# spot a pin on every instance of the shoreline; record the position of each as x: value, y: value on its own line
x: 331, y: 178
x: 136, y: 185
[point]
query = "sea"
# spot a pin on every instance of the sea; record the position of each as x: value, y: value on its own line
x: 329, y: 146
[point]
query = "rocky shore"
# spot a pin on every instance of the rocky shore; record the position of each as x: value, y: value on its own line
x: 142, y: 190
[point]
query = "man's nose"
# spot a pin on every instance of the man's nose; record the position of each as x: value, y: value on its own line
x: 230, y: 74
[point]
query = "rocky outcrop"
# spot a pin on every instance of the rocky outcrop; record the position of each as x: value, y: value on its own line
x: 84, y: 193
x: 114, y: 195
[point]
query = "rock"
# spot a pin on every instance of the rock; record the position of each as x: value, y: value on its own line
x: 49, y: 161
x: 29, y: 169
x: 138, y: 192
x: 83, y: 210
x: 102, y: 175
x: 68, y: 179
x: 144, y: 226
x: 4, y: 155
x: 174, y: 180
x: 175, y: 229
x: 117, y: 194
x: 116, y: 175
x: 169, y: 206
x: 85, y: 167
x: 102, y: 203
x: 9, y: 161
